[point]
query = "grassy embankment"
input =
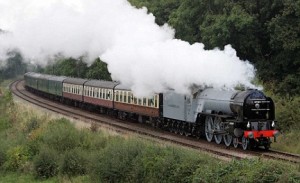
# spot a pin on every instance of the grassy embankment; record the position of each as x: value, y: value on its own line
x: 37, y: 148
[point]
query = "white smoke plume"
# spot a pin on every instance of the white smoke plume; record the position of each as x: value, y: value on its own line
x: 139, y: 53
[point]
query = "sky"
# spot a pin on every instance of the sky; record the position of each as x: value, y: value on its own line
x: 139, y: 53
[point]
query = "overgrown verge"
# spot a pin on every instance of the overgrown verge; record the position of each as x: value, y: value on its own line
x: 35, y: 148
x: 288, y: 122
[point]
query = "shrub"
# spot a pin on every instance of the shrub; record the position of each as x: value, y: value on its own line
x: 91, y: 141
x: 287, y: 111
x: 116, y: 161
x: 31, y: 125
x: 94, y: 127
x: 46, y: 163
x: 4, y: 123
x: 252, y: 170
x: 74, y: 163
x: 61, y: 135
x: 15, y: 158
x: 157, y: 164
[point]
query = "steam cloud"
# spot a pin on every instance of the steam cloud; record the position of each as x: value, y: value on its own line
x: 139, y: 53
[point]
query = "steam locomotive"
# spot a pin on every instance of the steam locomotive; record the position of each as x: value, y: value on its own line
x: 245, y: 118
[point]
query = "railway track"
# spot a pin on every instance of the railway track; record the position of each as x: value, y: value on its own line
x: 109, y: 122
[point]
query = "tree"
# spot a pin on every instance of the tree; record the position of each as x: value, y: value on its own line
x: 14, y: 65
x: 98, y: 70
x: 67, y: 67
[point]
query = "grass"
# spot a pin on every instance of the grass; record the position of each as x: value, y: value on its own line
x: 13, y: 177
x: 288, y: 142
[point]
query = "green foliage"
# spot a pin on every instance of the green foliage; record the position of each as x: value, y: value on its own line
x: 32, y: 124
x: 13, y: 66
x: 4, y: 123
x: 156, y: 164
x: 247, y: 171
x: 61, y: 135
x: 286, y: 141
x: 74, y: 163
x: 115, y: 162
x: 2, y: 157
x: 98, y: 70
x: 67, y: 67
x: 161, y: 9
x: 287, y: 111
x: 16, y: 157
x: 46, y: 163
x: 135, y: 161
x: 187, y: 18
x: 78, y: 68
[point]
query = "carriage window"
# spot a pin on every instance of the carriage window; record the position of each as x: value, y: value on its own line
x: 150, y: 102
x: 96, y: 94
x: 140, y: 101
x: 155, y: 101
x: 144, y: 101
x: 134, y: 100
x: 117, y: 96
x: 108, y: 94
x: 121, y: 96
x: 129, y: 97
x: 125, y: 97
x: 101, y: 93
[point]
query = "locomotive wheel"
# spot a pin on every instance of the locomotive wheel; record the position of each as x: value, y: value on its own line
x: 245, y: 143
x: 209, y: 123
x: 227, y: 139
x: 218, y: 127
x: 235, y: 142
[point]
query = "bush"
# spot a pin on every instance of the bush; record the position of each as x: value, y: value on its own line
x: 74, y: 163
x: 16, y: 157
x: 247, y: 171
x: 157, y: 164
x: 46, y: 163
x: 288, y: 115
x: 31, y: 125
x: 116, y: 161
x: 4, y: 123
x: 61, y: 135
